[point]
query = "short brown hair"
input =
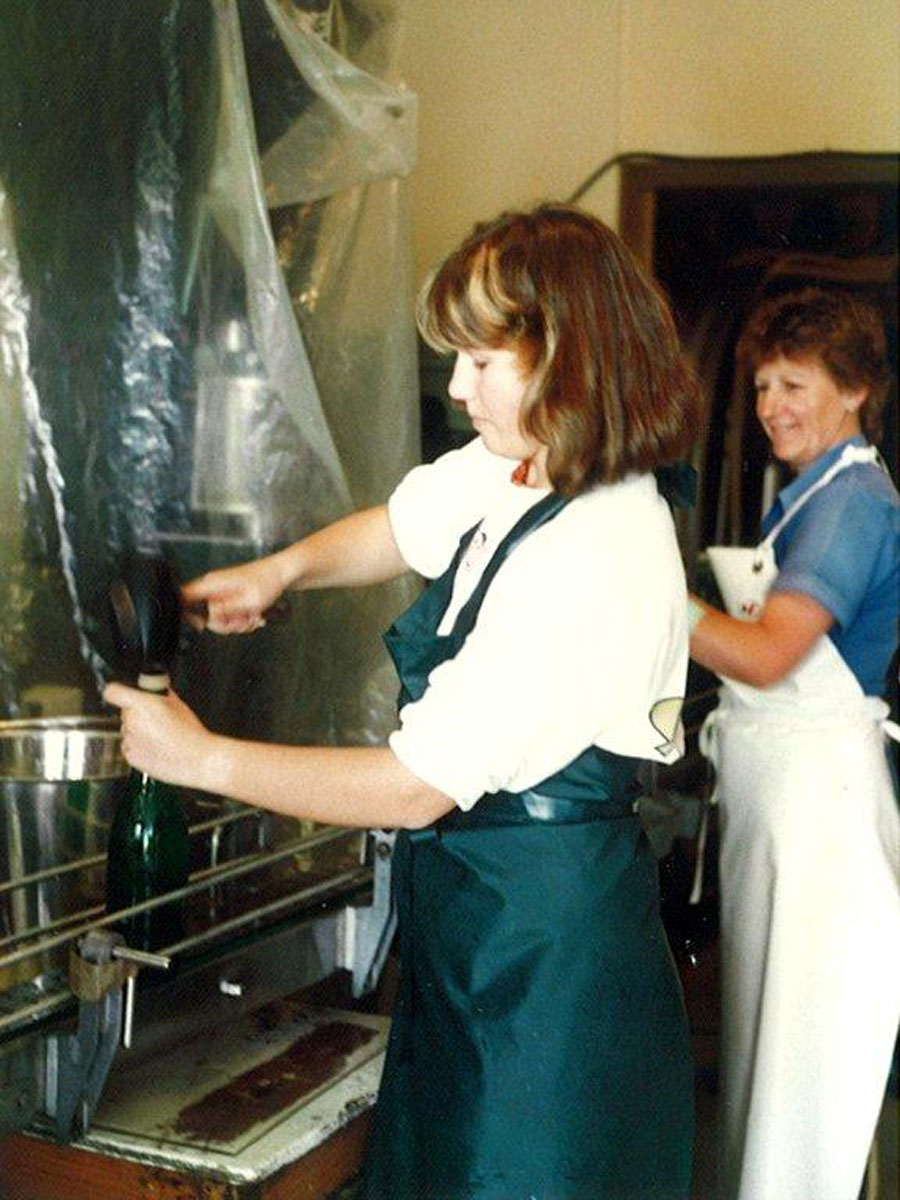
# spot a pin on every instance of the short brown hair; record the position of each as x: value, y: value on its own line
x: 843, y: 331
x: 611, y: 390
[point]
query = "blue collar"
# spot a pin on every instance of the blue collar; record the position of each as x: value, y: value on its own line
x: 795, y: 489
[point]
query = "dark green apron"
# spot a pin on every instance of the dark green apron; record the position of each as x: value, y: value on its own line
x: 539, y: 1048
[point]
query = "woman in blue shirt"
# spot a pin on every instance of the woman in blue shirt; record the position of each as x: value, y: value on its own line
x: 810, y: 836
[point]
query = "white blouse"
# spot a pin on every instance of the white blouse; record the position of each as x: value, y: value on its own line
x: 581, y: 638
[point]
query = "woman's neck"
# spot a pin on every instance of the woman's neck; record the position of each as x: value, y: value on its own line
x: 532, y: 472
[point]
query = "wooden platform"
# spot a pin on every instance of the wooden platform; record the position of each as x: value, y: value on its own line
x: 34, y: 1169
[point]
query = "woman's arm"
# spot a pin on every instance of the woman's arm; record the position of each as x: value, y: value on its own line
x: 354, y: 551
x: 357, y: 550
x: 760, y: 652
x: 365, y: 786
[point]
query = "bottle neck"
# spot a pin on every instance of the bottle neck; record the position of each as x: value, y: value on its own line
x: 154, y: 683
x: 159, y: 684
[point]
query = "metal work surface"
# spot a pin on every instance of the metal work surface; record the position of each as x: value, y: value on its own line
x: 240, y: 1100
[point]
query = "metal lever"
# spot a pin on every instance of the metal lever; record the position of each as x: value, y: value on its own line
x: 135, y: 958
x: 78, y: 1064
x: 278, y: 614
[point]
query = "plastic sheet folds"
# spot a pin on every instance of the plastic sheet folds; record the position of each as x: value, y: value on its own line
x: 206, y: 339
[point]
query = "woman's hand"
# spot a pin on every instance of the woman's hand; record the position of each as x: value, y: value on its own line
x: 357, y: 550
x: 162, y: 737
x: 235, y: 599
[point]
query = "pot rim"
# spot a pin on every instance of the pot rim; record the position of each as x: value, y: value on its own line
x: 61, y: 749
x: 88, y: 723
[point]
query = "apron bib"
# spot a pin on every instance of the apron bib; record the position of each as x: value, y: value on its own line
x: 539, y: 1048
x: 810, y: 912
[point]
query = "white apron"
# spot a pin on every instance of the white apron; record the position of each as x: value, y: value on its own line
x: 810, y: 915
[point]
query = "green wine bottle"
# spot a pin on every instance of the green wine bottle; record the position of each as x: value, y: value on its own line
x: 148, y: 853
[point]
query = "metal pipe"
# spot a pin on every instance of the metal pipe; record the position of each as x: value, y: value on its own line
x: 326, y: 836
x: 60, y: 923
x: 50, y: 1004
x: 221, y: 872
x: 34, y: 1012
x: 77, y: 864
x: 333, y: 883
x: 94, y: 860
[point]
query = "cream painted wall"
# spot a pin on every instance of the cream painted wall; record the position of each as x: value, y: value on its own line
x: 760, y: 76
x: 521, y: 99
x: 518, y: 102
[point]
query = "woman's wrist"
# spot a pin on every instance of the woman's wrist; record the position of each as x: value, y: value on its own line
x: 288, y: 567
x: 215, y: 774
x: 696, y: 613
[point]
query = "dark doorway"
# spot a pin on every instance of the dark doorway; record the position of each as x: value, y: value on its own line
x: 719, y: 234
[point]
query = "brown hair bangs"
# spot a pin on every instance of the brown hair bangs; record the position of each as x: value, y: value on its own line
x: 464, y: 304
x: 610, y: 391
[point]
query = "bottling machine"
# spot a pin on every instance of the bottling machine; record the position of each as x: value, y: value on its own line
x: 215, y: 1058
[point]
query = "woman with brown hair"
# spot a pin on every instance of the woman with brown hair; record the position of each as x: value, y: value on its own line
x: 539, y: 1046
x: 810, y: 836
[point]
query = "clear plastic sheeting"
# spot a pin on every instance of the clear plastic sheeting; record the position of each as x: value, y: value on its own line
x: 16, y: 646
x: 367, y: 126
x: 181, y: 367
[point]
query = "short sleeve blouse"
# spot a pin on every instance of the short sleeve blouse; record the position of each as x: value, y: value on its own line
x: 843, y: 550
x: 581, y: 638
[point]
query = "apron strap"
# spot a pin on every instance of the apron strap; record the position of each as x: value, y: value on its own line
x: 536, y: 516
x: 849, y: 457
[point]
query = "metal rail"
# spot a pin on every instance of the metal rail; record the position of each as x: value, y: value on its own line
x: 31, y: 1011
x: 86, y: 914
x: 24, y: 935
x: 202, y: 881
x: 356, y: 876
x: 94, y: 860
x: 28, y: 1013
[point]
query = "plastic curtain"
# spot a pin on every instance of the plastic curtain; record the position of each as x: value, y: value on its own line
x: 206, y: 339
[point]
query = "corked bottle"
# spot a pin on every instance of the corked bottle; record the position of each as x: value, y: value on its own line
x: 148, y: 853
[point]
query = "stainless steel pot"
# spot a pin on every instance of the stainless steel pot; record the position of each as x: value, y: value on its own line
x: 58, y: 783
x: 61, y: 749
